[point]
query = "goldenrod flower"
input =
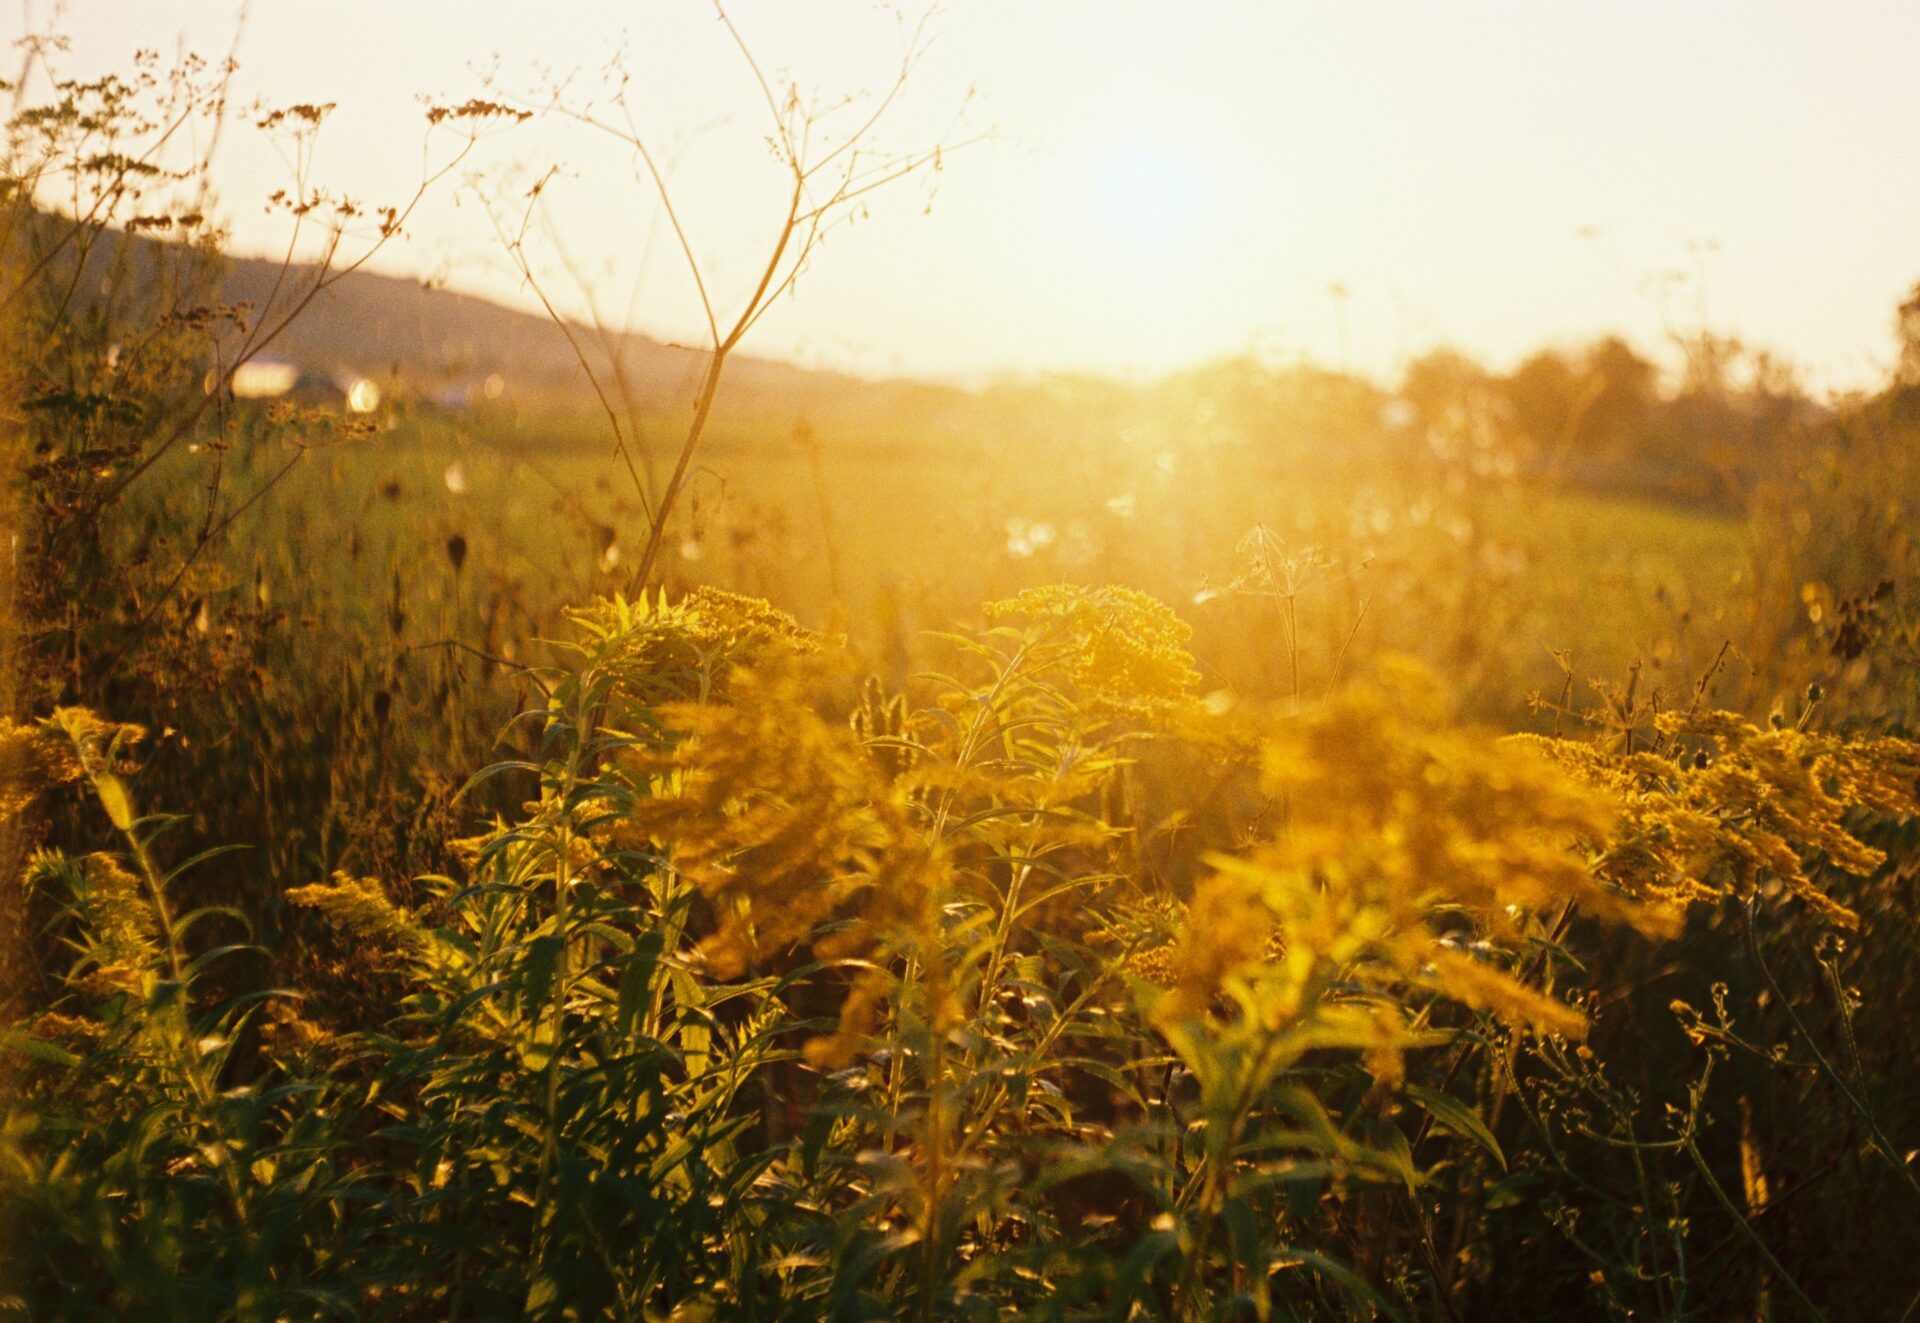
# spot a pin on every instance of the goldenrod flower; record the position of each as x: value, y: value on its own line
x: 1125, y: 651
x: 1400, y: 827
x: 1749, y: 804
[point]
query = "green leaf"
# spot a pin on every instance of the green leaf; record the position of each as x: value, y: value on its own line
x: 636, y: 983
x: 1296, y: 1256
x: 543, y: 1294
x: 1456, y: 1116
x: 39, y: 1049
x: 113, y: 796
x: 543, y: 956
x: 1241, y: 1230
x: 1397, y: 1157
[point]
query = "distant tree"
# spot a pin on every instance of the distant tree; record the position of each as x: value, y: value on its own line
x: 1439, y: 382
x: 1907, y: 328
x: 1328, y: 406
x: 1619, y: 420
x: 1463, y: 415
x: 1549, y: 397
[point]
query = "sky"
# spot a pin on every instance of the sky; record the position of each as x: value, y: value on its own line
x: 1132, y: 187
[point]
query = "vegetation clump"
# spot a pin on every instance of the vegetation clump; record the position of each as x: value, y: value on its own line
x: 409, y: 911
x: 732, y: 1015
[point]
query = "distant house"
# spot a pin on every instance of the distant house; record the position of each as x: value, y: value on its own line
x: 277, y: 379
x: 263, y: 379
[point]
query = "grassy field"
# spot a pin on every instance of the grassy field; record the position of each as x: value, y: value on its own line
x: 1049, y: 948
x: 1488, y: 578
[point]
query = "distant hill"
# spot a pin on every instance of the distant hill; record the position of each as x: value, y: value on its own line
x: 438, y: 343
x: 392, y: 327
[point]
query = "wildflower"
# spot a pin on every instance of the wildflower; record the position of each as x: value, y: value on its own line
x: 660, y: 652
x: 361, y: 907
x: 1225, y: 929
x: 30, y: 758
x: 782, y: 820
x: 1748, y: 805
x: 118, y: 939
x: 1384, y: 1055
x: 1124, y: 650
x: 1395, y: 818
x: 766, y: 809
x: 1154, y: 965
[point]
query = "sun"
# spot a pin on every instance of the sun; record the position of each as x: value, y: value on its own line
x: 1143, y: 194
x: 1138, y: 213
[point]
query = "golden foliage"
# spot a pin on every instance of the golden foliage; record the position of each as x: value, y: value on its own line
x: 1125, y: 651
x: 784, y: 822
x: 31, y: 758
x: 1729, y: 805
x: 119, y: 941
x: 658, y: 651
x: 1403, y: 831
x: 361, y: 907
x: 766, y: 809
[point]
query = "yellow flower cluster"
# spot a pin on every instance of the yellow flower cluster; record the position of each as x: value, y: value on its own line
x: 1223, y: 931
x: 659, y: 651
x: 1728, y: 805
x: 715, y: 618
x: 91, y: 735
x: 361, y: 907
x: 30, y: 759
x: 1405, y: 837
x: 119, y: 941
x: 784, y: 822
x: 1124, y: 651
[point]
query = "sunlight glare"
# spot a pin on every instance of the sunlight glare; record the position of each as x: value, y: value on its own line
x: 1145, y: 193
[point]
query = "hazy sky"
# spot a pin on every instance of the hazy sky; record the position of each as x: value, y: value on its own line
x: 1168, y: 182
